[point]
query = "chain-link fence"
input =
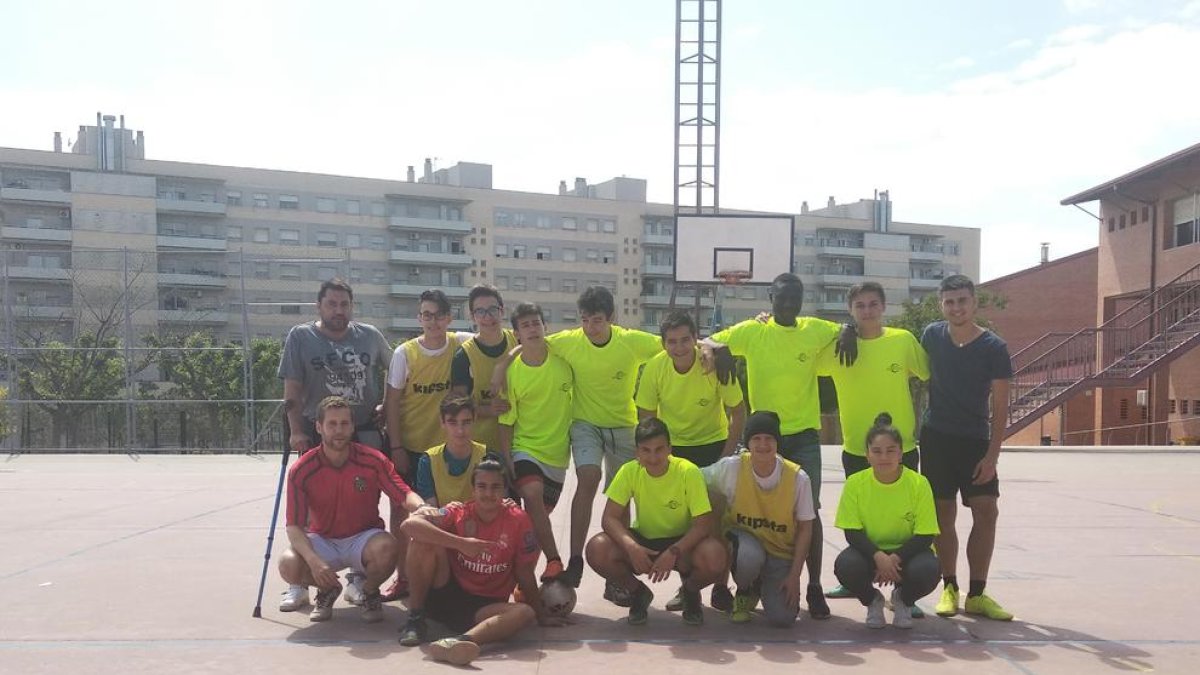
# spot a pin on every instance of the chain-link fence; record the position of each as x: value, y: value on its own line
x: 166, y: 350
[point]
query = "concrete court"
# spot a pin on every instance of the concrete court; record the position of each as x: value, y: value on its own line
x: 113, y: 564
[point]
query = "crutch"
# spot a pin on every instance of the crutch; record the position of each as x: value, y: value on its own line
x: 262, y: 583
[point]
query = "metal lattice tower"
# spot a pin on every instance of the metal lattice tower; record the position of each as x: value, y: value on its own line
x: 697, y: 105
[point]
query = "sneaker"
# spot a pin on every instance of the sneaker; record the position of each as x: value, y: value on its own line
x: 948, y: 604
x: 617, y: 595
x: 456, y: 650
x: 415, y: 632
x: 323, y: 609
x: 398, y: 590
x: 693, y: 608
x: 294, y: 598
x: 817, y: 607
x: 742, y: 606
x: 721, y: 599
x: 372, y: 607
x: 554, y: 569
x: 917, y: 612
x: 985, y: 606
x: 639, y: 604
x: 354, y: 590
x: 875, y: 618
x: 675, y: 604
x: 901, y: 613
x: 839, y: 591
x: 574, y: 572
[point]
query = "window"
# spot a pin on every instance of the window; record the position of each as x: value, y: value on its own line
x: 1121, y: 222
x: 518, y: 283
x: 610, y: 226
x: 543, y: 222
x: 518, y: 251
x: 1172, y: 404
x: 543, y: 284
x: 501, y: 250
x: 376, y: 242
x: 262, y: 235
x: 353, y: 207
x: 262, y: 270
x: 1133, y: 218
x: 355, y: 274
x: 289, y: 202
x: 543, y: 253
x: 233, y: 233
x: 233, y: 198
x: 378, y: 209
x: 1112, y: 223
x: 808, y: 268
x: 593, y: 225
x: 569, y: 223
x: 502, y: 283
x: 568, y: 255
x: 326, y: 205
x: 593, y: 255
x: 289, y: 237
x: 609, y: 256
x: 289, y: 271
x: 379, y: 277
x: 325, y: 273
x: 1183, y: 406
x: 1185, y: 220
x: 570, y: 316
x: 1123, y: 411
x: 327, y: 239
x: 354, y: 241
x: 261, y: 200
x: 569, y: 285
x: 1145, y: 214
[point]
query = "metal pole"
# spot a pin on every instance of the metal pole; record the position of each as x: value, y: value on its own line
x: 716, y: 170
x: 130, y: 415
x: 247, y: 358
x: 10, y: 365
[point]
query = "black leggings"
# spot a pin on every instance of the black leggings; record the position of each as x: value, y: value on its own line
x: 919, y: 576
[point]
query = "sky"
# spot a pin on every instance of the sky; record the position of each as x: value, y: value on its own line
x: 971, y: 113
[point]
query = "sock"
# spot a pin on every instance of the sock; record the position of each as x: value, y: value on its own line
x: 951, y: 580
x: 576, y: 560
x: 976, y: 588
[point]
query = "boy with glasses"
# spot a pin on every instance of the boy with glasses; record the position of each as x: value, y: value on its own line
x: 474, y: 362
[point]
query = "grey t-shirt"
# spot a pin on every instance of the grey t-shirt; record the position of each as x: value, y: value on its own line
x: 960, y: 380
x: 349, y: 367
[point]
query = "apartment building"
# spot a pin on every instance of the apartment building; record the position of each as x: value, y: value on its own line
x: 241, y: 251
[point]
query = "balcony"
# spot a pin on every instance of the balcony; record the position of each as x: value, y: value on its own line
x: 51, y: 312
x: 39, y: 273
x: 831, y: 306
x: 658, y: 270
x: 36, y: 234
x: 424, y: 258
x: 190, y: 207
x: 415, y: 290
x: 841, y: 249
x: 211, y: 316
x: 41, y: 196
x: 929, y: 284
x: 926, y: 254
x: 658, y: 239
x: 413, y: 323
x: 429, y: 224
x: 193, y: 243
x: 191, y: 279
x: 681, y: 301
x: 829, y: 279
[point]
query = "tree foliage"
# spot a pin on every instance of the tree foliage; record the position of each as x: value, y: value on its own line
x: 917, y: 315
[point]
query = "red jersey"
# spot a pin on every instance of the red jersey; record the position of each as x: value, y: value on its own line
x: 337, y: 502
x: 492, y: 575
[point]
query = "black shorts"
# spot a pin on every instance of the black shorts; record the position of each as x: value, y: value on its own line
x: 948, y: 461
x: 455, y: 607
x: 530, y: 471
x: 700, y: 455
x: 852, y: 464
x: 656, y: 545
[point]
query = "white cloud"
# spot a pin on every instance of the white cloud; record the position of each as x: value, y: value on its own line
x: 961, y: 63
x: 1075, y: 34
x: 1080, y: 6
x: 1191, y: 10
x: 1022, y: 43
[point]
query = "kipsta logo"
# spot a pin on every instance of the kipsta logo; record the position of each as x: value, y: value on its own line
x: 619, y: 375
x: 673, y: 504
x: 703, y: 403
x: 895, y: 367
x: 566, y: 386
x: 802, y: 358
x: 360, y: 484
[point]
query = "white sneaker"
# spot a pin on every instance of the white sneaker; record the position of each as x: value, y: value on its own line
x: 901, y: 613
x: 354, y: 590
x: 294, y: 598
x: 875, y: 618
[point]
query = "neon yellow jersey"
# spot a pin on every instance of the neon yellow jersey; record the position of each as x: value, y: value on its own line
x: 427, y: 384
x: 877, y: 382
x: 665, y: 505
x: 540, y: 412
x: 692, y: 404
x: 605, y: 376
x: 889, y: 514
x: 781, y: 364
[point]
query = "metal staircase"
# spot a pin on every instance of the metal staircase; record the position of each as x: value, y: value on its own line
x: 1157, y: 329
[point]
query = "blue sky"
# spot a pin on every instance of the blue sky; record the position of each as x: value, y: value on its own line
x: 982, y: 114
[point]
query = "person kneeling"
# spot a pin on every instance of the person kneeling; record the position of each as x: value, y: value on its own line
x: 333, y: 520
x: 889, y: 519
x: 769, y: 520
x: 671, y: 532
x: 463, y: 563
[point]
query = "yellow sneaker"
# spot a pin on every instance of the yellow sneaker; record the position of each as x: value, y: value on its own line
x: 948, y: 604
x: 983, y: 605
x: 742, y: 606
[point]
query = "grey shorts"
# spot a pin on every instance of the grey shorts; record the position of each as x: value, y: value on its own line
x: 804, y: 449
x: 753, y: 567
x: 608, y: 446
x: 345, y: 552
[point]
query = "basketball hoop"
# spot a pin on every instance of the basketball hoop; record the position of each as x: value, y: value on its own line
x: 732, y: 277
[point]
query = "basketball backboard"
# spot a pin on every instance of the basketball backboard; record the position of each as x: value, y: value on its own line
x: 711, y: 248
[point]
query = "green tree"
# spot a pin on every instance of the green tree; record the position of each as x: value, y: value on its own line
x: 917, y: 315
x: 87, y: 369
